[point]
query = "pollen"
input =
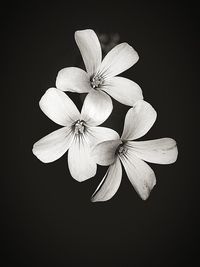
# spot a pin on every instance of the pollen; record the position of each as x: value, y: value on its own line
x: 79, y: 127
x: 121, y: 150
x: 96, y: 82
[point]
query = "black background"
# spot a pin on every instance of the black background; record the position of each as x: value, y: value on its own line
x: 47, y: 217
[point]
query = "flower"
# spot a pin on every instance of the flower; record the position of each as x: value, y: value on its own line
x: 100, y: 75
x: 132, y: 154
x: 78, y: 135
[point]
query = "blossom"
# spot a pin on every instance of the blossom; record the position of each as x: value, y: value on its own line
x: 100, y: 75
x: 133, y: 154
x: 78, y: 134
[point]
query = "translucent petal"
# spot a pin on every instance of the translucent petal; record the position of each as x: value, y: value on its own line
x: 59, y: 107
x: 138, y: 120
x: 90, y: 49
x: 110, y: 183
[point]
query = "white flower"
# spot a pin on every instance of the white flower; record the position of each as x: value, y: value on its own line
x: 132, y: 154
x: 100, y: 75
x: 78, y: 134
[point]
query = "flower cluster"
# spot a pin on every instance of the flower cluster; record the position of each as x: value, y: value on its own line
x: 89, y: 144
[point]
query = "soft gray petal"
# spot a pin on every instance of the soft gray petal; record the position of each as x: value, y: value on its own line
x: 119, y: 59
x: 139, y: 120
x: 90, y: 49
x: 123, y: 90
x: 100, y: 134
x: 110, y: 183
x: 59, y: 107
x: 54, y: 145
x: 139, y: 173
x: 74, y: 80
x: 80, y: 162
x: 97, y: 107
x: 105, y: 153
x: 162, y: 151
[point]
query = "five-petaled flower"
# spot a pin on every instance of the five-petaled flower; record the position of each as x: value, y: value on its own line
x: 132, y: 154
x: 100, y: 75
x: 79, y: 134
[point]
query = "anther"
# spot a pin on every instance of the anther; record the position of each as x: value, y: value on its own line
x: 79, y: 127
x: 96, y: 82
x: 121, y: 150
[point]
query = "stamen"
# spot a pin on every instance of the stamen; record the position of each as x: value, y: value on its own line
x: 96, y: 81
x: 121, y: 150
x: 79, y: 127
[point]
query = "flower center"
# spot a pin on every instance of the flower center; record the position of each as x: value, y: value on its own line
x: 121, y: 150
x: 96, y: 81
x: 79, y: 127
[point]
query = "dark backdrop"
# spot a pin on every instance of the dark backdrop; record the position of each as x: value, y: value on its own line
x: 47, y: 217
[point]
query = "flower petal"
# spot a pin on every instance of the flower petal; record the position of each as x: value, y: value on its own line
x: 105, y: 153
x: 100, y: 134
x: 123, y: 90
x: 90, y: 48
x: 138, y: 120
x: 54, y: 145
x: 110, y: 183
x: 97, y: 107
x: 80, y: 161
x: 59, y: 107
x: 139, y: 173
x: 74, y: 80
x: 119, y: 59
x: 162, y: 151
